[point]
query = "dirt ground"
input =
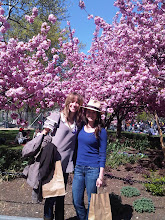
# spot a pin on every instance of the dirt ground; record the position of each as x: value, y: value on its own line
x: 15, y: 199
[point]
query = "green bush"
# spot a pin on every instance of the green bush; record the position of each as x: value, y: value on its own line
x: 153, y: 141
x: 143, y: 205
x: 132, y: 135
x: 11, y: 160
x: 156, y: 188
x: 129, y: 191
x: 126, y: 143
x: 140, y: 145
x: 115, y: 146
x: 115, y: 159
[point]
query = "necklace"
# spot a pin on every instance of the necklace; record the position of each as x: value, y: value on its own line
x: 89, y: 129
x: 71, y: 124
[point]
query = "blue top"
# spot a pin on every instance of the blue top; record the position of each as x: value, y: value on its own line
x: 91, y: 151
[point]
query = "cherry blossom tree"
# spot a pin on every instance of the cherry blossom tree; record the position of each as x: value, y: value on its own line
x: 128, y: 59
x: 124, y: 67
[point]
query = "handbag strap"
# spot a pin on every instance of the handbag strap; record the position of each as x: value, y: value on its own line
x: 56, y: 126
x: 40, y: 150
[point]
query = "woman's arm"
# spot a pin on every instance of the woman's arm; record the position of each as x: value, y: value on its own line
x: 99, y: 180
x: 45, y: 131
x: 102, y: 156
x: 50, y: 123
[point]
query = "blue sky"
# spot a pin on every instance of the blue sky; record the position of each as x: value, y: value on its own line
x: 84, y: 28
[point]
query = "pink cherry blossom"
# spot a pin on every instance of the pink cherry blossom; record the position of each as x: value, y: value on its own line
x: 52, y: 18
x: 124, y: 68
x: 37, y: 110
x: 3, y: 29
x: 35, y: 12
x: 30, y: 19
x: 45, y: 28
x: 81, y: 4
x: 14, y: 115
x: 90, y: 17
x: 2, y: 11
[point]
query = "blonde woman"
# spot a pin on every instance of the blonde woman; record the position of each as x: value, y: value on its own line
x: 64, y: 140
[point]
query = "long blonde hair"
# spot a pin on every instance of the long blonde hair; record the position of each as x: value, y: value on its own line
x: 71, y: 98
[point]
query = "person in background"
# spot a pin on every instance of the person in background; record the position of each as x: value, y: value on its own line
x: 65, y: 141
x: 22, y: 136
x: 91, y: 158
x: 36, y: 133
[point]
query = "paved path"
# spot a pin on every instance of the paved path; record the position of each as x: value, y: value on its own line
x: 5, y: 217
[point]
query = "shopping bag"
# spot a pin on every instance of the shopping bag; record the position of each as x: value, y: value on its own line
x: 56, y: 186
x: 100, y: 208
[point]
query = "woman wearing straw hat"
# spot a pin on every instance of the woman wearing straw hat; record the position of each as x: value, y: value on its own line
x: 91, y: 157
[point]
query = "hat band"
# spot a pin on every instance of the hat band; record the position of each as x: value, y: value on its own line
x: 90, y: 106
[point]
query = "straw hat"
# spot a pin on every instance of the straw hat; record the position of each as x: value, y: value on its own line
x: 93, y: 105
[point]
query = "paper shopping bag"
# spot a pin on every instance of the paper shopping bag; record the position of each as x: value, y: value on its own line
x: 56, y: 186
x: 100, y: 208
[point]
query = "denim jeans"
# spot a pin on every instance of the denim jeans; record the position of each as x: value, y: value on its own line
x: 58, y: 202
x: 84, y: 177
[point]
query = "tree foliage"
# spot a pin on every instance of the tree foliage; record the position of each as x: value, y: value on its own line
x: 124, y: 67
x: 21, y: 29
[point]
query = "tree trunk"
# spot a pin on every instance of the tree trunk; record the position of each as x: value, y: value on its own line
x: 6, y: 119
x: 119, y: 124
x: 160, y: 134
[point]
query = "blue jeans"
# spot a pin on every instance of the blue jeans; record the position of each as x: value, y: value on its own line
x: 84, y: 177
x: 58, y: 202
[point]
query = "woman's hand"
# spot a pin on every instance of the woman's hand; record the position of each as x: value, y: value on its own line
x: 45, y: 131
x: 99, y: 182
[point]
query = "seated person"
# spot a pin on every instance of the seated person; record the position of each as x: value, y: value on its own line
x: 36, y: 133
x: 22, y: 136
